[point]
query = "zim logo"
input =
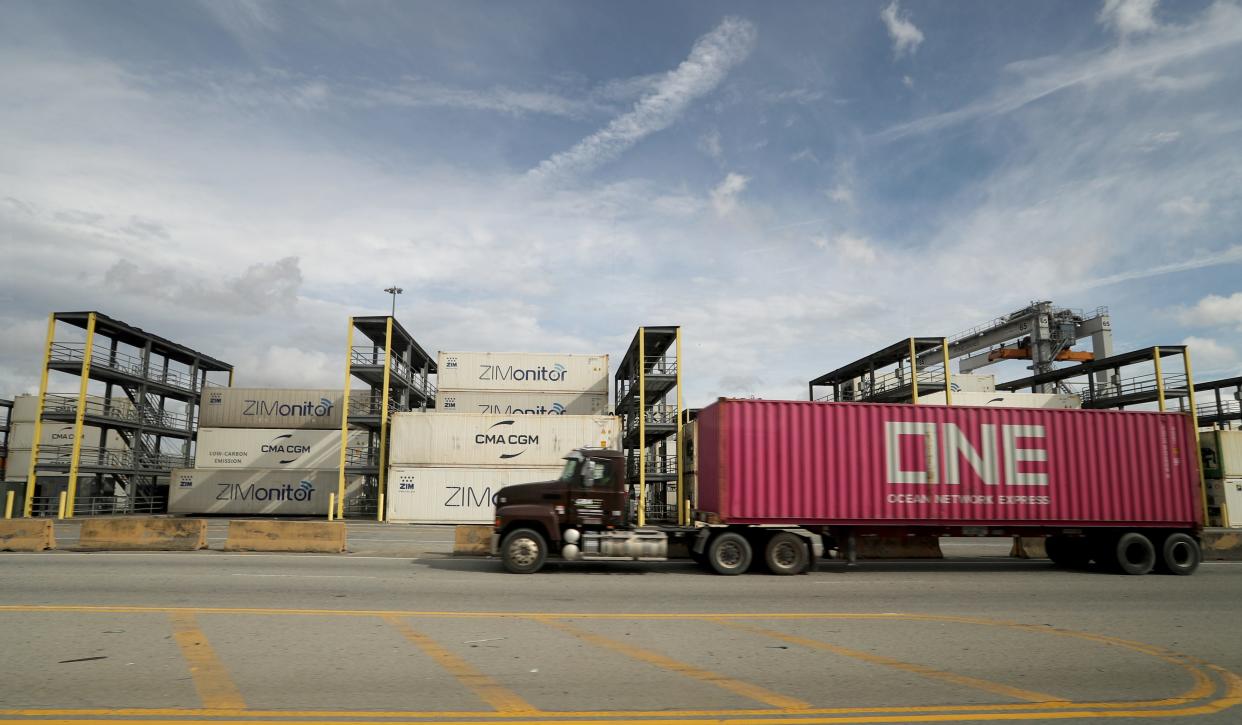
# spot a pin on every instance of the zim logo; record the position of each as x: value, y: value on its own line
x: 215, y: 398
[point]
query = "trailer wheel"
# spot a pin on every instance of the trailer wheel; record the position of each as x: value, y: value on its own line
x: 729, y: 553
x: 785, y: 554
x: 1134, y: 553
x: 1067, y: 552
x: 1179, y: 554
x: 523, y: 551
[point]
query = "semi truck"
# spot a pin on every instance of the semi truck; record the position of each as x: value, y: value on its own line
x: 779, y: 482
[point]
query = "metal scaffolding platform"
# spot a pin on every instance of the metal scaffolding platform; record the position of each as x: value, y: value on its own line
x: 899, y: 373
x: 1113, y: 382
x: 151, y: 392
x: 6, y: 418
x: 1222, y: 412
x: 648, y: 400
x: 395, y: 373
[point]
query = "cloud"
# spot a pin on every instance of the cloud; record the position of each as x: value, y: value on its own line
x: 710, y: 60
x: 1210, y: 356
x: 906, y: 36
x: 841, y: 194
x: 724, y: 196
x: 1128, y: 17
x: 709, y: 143
x: 1185, y: 206
x: 258, y: 289
x: 1218, y: 27
x: 850, y: 248
x: 1215, y: 311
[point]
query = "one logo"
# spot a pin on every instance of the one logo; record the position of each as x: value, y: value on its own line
x: 186, y: 482
x: 237, y: 492
x: 506, y: 439
x: 558, y: 409
x: 306, y: 409
x: 215, y: 398
x: 450, y: 362
x: 450, y: 403
x: 508, y: 373
x: 280, y: 445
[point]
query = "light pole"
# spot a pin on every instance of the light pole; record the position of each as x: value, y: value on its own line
x: 394, y: 291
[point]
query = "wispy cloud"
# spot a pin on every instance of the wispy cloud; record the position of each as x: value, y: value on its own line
x: 1127, y: 17
x: 724, y: 196
x: 905, y: 34
x: 709, y: 62
x: 1219, y: 27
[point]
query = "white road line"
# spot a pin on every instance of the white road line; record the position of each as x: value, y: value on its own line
x: 314, y: 576
x: 204, y: 555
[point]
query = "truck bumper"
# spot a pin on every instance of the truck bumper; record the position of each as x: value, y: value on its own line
x: 494, y: 547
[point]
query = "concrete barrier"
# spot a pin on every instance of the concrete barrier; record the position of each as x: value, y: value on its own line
x: 899, y: 547
x: 142, y: 534
x: 472, y: 540
x: 321, y: 537
x: 26, y: 535
x: 1028, y: 547
x: 1222, y: 544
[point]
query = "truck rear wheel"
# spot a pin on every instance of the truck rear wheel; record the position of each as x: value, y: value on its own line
x: 1179, y: 554
x: 523, y: 551
x: 729, y: 553
x: 1134, y: 553
x: 785, y: 554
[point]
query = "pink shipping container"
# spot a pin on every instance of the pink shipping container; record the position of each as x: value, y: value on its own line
x: 856, y: 464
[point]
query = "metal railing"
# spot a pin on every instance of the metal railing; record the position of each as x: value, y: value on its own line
x: 97, y: 457
x: 1139, y: 384
x: 665, y: 465
x: 1211, y: 409
x: 866, y: 388
x: 370, y: 404
x: 362, y: 457
x: 121, y: 362
x: 121, y: 410
x: 372, y: 356
x: 49, y: 506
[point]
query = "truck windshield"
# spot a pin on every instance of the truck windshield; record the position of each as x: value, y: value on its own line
x: 571, y: 467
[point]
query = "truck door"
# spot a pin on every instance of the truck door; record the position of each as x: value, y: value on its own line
x: 593, y: 496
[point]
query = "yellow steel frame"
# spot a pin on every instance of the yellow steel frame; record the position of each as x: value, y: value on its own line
x: 1194, y: 425
x: 914, y: 375
x: 78, y: 417
x: 28, y: 504
x: 948, y: 377
x: 383, y: 451
x: 1160, y: 382
x: 682, y: 517
x: 642, y: 427
x: 340, y: 483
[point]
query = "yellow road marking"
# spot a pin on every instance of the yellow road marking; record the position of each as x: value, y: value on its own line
x: 490, y: 691
x: 745, y: 689
x: 211, y: 679
x: 995, y: 688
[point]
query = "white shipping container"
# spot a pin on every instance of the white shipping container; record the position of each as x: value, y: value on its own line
x: 970, y: 383
x: 1222, y: 453
x: 520, y: 441
x: 311, y: 450
x: 526, y: 371
x: 447, y: 495
x: 60, y: 434
x: 1228, y: 491
x: 1005, y: 400
x: 507, y: 402
x: 302, y: 409
x: 255, y: 491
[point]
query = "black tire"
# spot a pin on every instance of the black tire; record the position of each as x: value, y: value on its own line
x: 1134, y: 554
x: 1068, y: 552
x: 786, y: 554
x: 1179, y: 554
x: 523, y: 551
x: 729, y: 554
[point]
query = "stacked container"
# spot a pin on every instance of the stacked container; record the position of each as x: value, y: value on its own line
x: 1222, y: 467
x: 264, y: 451
x: 500, y: 419
x: 21, y: 433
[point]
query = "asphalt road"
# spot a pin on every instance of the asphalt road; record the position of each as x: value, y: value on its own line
x: 209, y: 636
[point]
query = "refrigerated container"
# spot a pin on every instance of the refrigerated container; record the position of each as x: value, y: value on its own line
x: 300, y: 408
x: 511, y: 402
x: 267, y: 492
x: 271, y: 448
x: 519, y: 441
x: 453, y: 495
x: 1004, y: 400
x: 1222, y: 453
x: 522, y: 371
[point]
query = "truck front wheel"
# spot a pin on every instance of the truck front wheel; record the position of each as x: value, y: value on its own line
x: 785, y: 554
x: 729, y: 553
x: 523, y: 551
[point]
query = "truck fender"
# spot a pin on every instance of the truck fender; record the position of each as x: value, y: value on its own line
x: 700, y: 540
x: 537, y: 514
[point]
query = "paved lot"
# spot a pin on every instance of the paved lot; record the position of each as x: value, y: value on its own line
x: 232, y: 637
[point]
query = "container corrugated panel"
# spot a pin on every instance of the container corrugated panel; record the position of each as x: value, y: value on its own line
x: 508, y: 402
x: 255, y: 491
x: 970, y: 383
x: 313, y: 450
x: 1005, y: 400
x: 271, y: 408
x: 453, y: 495
x: 853, y: 463
x: 528, y: 371
x: 520, y: 441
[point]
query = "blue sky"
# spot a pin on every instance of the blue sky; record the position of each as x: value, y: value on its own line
x: 795, y: 184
